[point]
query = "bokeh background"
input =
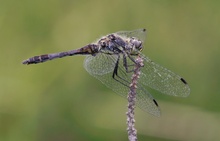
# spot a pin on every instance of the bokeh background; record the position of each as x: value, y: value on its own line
x: 59, y: 100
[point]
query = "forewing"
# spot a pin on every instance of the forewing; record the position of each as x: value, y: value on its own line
x: 162, y: 79
x: 139, y: 34
x: 101, y: 67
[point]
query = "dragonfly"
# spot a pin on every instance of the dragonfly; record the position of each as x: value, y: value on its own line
x: 111, y: 59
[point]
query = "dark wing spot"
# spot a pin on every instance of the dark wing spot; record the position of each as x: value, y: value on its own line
x: 144, y: 29
x: 155, y: 102
x: 184, y: 81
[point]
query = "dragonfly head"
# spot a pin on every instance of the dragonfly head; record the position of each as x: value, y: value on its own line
x: 137, y: 44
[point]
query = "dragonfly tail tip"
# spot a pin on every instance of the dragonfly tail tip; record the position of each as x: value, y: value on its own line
x: 25, y: 62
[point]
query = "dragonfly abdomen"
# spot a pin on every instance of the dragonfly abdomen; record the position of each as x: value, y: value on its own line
x: 88, y: 49
x: 44, y: 58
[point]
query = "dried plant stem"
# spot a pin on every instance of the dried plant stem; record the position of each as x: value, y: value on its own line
x: 132, y: 132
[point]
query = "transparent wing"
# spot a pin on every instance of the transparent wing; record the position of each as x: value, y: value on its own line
x: 139, y: 34
x: 155, y: 76
x: 162, y: 79
x: 101, y: 67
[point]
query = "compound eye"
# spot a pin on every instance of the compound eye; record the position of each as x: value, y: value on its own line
x: 137, y: 43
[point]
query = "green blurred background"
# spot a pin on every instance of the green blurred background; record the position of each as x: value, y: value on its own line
x: 59, y: 100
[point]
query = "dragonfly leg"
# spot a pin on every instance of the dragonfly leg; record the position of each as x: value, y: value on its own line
x: 115, y: 73
x: 125, y: 64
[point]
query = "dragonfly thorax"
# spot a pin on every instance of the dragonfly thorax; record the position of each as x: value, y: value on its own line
x: 114, y: 43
